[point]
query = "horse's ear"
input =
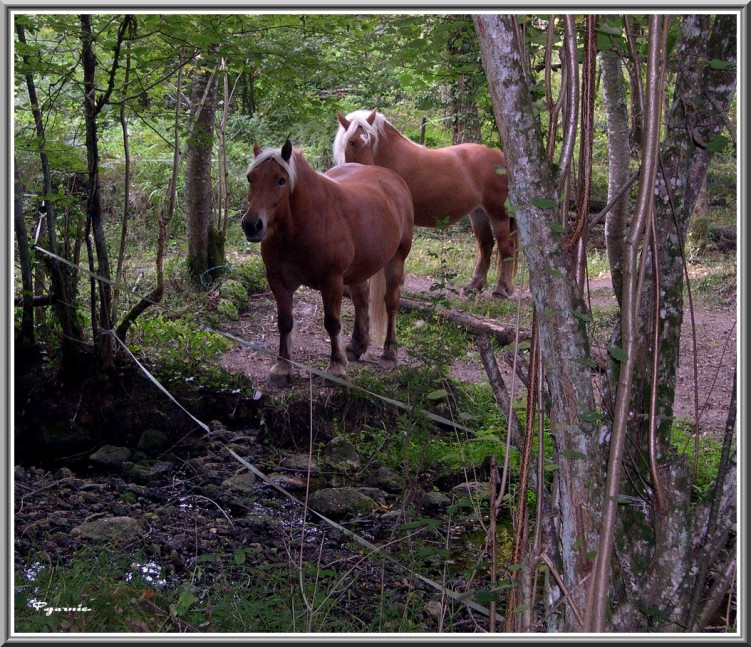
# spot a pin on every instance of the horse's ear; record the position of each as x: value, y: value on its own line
x: 372, y: 117
x: 287, y: 150
x: 343, y: 121
x: 256, y: 149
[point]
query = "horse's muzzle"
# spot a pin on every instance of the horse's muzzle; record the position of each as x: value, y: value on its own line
x: 254, y: 229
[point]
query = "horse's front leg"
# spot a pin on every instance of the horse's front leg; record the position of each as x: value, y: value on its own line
x: 281, y: 372
x: 361, y: 333
x: 332, y: 321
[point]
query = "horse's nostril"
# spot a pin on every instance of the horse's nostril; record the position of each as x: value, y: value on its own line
x: 253, y: 228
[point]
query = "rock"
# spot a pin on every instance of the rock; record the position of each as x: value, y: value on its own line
x: 472, y: 489
x: 341, y: 455
x: 64, y: 473
x: 436, y: 501
x: 122, y: 530
x: 111, y: 456
x: 434, y: 609
x: 295, y: 481
x: 153, y: 441
x: 338, y: 503
x: 387, y: 479
x: 299, y: 463
x: 374, y: 493
x: 242, y: 482
x: 149, y: 473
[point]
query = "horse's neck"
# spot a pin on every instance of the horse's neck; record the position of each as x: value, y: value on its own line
x: 399, y: 151
x: 308, y: 183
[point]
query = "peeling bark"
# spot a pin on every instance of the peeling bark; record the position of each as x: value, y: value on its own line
x: 563, y: 339
x: 616, y: 109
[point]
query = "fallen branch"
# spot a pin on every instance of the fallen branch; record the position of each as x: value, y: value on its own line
x: 470, y: 323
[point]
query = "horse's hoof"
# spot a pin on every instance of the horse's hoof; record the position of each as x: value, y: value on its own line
x: 280, y: 380
x: 474, y: 286
x: 387, y: 362
x: 353, y: 355
x: 338, y: 371
x: 502, y: 292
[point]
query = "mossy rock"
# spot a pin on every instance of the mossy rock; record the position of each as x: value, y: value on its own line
x: 234, y: 291
x: 228, y: 310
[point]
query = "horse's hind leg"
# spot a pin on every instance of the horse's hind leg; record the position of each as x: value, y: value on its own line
x: 360, y: 334
x: 484, y: 238
x: 507, y: 249
x: 394, y: 272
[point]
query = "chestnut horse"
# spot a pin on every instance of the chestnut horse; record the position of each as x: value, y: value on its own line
x: 325, y: 231
x: 446, y: 184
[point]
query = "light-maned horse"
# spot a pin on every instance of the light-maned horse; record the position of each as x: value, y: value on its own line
x: 446, y: 184
x: 325, y: 231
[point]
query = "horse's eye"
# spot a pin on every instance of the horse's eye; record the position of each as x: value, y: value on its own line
x: 351, y: 143
x: 282, y: 181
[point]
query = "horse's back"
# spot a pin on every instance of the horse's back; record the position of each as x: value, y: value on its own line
x: 377, y: 206
x: 374, y: 184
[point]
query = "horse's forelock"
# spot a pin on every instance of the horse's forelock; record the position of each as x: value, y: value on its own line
x: 357, y: 119
x: 276, y: 155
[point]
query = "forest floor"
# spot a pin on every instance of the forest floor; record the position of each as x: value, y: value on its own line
x: 706, y: 368
x: 194, y: 529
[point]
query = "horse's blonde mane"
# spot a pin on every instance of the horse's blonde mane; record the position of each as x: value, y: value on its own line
x: 276, y: 155
x: 358, y: 118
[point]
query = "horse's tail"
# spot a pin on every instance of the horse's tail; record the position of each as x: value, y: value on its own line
x: 377, y: 308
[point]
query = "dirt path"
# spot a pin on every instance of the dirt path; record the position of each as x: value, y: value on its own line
x: 715, y: 343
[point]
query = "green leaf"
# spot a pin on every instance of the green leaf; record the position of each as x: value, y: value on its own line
x: 420, y: 523
x: 590, y: 416
x: 511, y: 208
x: 582, y: 315
x: 515, y: 567
x: 486, y: 595
x: 551, y: 467
x: 618, y: 354
x: 717, y: 64
x: 556, y: 273
x: 239, y: 556
x: 184, y: 602
x: 521, y: 608
x: 604, y: 41
x: 556, y: 227
x: 500, y: 170
x: 585, y: 361
x: 573, y: 454
x: 717, y: 143
x: 544, y: 203
x: 438, y: 394
x: 608, y: 28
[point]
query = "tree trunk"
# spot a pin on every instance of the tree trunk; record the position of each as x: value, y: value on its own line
x: 669, y: 553
x: 63, y: 279
x: 616, y: 110
x: 24, y: 257
x: 101, y: 320
x: 202, y: 245
x: 465, y: 121
x: 703, y: 96
x: 563, y: 341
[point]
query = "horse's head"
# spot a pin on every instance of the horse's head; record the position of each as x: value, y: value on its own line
x: 271, y: 180
x: 357, y: 137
